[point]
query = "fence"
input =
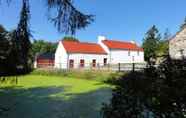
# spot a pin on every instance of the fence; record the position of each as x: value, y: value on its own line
x: 97, y: 66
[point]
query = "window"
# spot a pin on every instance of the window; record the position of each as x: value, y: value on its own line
x: 105, y: 61
x: 132, y: 58
x: 93, y: 63
x: 138, y: 53
x: 82, y: 63
x: 71, y: 63
x: 129, y: 53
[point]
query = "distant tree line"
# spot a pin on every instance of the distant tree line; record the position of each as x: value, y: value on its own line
x: 42, y: 46
x: 70, y: 38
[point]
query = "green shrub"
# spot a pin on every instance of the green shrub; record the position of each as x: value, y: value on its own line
x: 50, y: 72
x: 155, y: 93
x: 80, y: 74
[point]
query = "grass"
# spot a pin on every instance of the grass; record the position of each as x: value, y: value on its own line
x: 84, y: 74
x: 55, y: 96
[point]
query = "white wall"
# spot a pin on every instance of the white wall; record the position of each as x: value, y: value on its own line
x: 61, y: 57
x: 88, y: 59
x: 121, y: 56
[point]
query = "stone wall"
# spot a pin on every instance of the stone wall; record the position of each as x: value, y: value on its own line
x: 177, y: 45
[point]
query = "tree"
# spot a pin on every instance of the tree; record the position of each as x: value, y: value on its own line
x: 163, y: 48
x: 2, y: 29
x: 70, y: 38
x: 4, y: 49
x: 9, y: 54
x: 150, y: 44
x: 163, y: 45
x: 22, y: 38
x: 184, y: 24
x: 41, y: 46
x: 155, y: 93
x: 67, y: 18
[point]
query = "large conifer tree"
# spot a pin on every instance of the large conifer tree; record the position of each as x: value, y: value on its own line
x: 150, y: 43
x: 22, y: 35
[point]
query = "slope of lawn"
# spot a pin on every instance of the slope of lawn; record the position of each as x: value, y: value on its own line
x: 39, y: 96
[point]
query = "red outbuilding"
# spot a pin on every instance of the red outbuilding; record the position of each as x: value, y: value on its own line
x: 45, y: 60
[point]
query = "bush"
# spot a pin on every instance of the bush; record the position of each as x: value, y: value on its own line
x: 50, y: 72
x: 155, y: 93
x: 79, y: 74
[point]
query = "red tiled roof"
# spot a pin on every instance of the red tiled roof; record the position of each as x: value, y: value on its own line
x: 79, y: 47
x: 121, y: 45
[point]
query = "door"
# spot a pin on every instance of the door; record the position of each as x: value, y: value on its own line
x: 71, y: 63
x: 105, y: 61
x: 93, y: 63
x: 82, y: 63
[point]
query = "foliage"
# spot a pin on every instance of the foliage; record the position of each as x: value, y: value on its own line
x: 15, y: 46
x: 184, y: 24
x: 67, y: 17
x: 41, y: 46
x: 2, y: 29
x: 163, y: 45
x: 156, y: 93
x: 85, y: 74
x: 70, y: 38
x: 19, y: 56
x: 163, y: 48
x: 150, y: 43
x: 5, y: 52
x: 22, y: 39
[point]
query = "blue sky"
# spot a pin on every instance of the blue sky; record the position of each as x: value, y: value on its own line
x: 116, y: 19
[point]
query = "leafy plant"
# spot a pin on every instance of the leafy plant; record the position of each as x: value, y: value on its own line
x: 155, y: 93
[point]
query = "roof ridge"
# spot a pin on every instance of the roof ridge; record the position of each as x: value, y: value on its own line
x: 88, y: 43
x: 81, y: 42
x: 118, y: 41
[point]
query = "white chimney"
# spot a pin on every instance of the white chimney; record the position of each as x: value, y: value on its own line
x: 101, y: 38
x: 133, y: 42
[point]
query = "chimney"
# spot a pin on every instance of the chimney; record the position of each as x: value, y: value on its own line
x: 101, y: 38
x: 133, y: 42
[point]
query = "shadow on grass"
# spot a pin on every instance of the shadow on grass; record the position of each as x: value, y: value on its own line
x: 38, y: 103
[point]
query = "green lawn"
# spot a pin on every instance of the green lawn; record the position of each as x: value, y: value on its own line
x: 39, y: 96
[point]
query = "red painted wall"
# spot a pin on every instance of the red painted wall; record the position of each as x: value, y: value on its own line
x: 41, y: 63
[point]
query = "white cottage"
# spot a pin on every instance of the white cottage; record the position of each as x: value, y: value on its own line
x: 74, y: 54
